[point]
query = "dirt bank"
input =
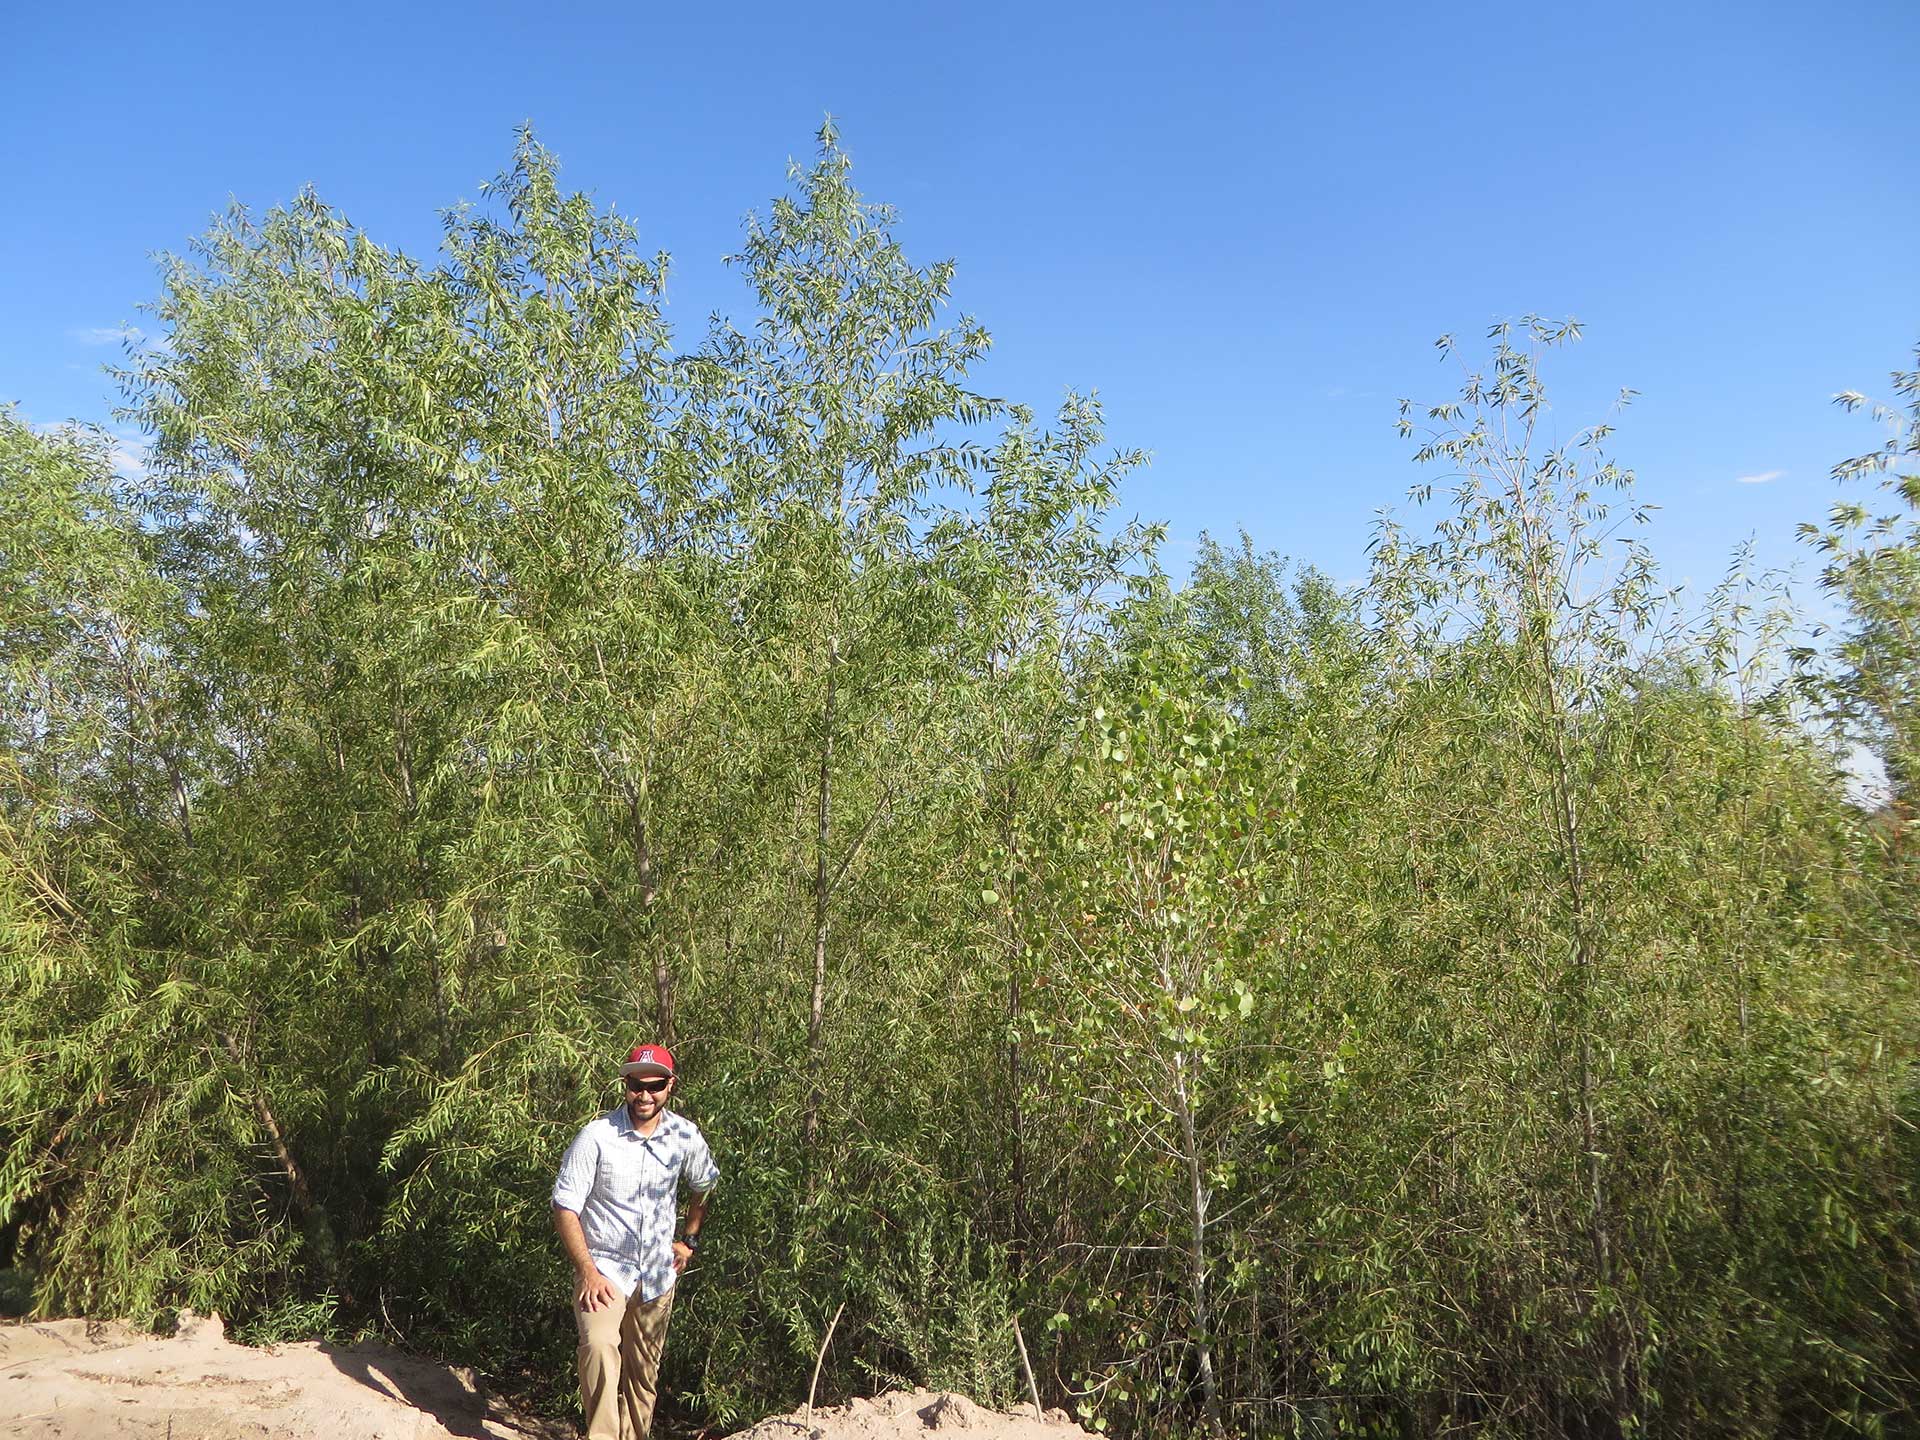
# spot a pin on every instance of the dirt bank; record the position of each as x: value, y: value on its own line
x: 72, y: 1380
x: 915, y: 1415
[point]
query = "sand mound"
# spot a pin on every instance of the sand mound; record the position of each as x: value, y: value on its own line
x: 915, y: 1415
x: 72, y: 1380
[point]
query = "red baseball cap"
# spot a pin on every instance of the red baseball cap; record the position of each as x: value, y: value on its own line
x: 648, y: 1060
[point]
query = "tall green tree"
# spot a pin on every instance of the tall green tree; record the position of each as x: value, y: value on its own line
x: 1872, y: 566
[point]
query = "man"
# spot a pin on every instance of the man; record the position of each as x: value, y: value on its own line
x: 614, y: 1207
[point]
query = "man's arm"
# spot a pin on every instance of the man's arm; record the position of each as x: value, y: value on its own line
x: 696, y: 1217
x: 592, y: 1289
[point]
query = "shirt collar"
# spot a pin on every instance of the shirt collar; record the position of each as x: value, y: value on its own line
x: 623, y: 1123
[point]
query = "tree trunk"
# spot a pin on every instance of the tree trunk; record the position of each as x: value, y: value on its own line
x: 1623, y: 1402
x: 1202, y: 1338
x: 822, y: 886
x: 1016, y: 1114
x: 1016, y: 1120
x: 644, y: 867
x: 296, y: 1177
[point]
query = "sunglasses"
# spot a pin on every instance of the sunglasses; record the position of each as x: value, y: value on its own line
x: 652, y: 1085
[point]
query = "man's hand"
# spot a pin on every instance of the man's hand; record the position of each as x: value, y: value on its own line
x: 681, y: 1255
x: 595, y: 1291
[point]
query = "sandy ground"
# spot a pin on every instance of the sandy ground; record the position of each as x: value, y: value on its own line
x: 72, y: 1380
x: 912, y: 1415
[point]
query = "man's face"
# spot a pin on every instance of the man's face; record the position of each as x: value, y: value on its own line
x: 646, y: 1096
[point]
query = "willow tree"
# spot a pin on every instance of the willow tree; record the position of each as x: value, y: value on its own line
x: 1154, y: 909
x: 1873, y: 567
x: 437, y: 591
x: 916, y: 559
x: 1514, y: 570
x: 875, y: 587
x: 118, y: 1048
x: 1569, y: 1009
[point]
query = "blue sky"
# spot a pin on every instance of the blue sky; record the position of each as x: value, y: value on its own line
x: 1243, y: 225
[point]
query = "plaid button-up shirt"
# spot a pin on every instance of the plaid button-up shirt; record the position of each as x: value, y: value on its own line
x: 624, y: 1186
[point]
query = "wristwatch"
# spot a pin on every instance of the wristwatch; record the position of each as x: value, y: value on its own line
x: 692, y: 1242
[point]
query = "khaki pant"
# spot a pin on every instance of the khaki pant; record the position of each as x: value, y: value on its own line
x: 619, y: 1358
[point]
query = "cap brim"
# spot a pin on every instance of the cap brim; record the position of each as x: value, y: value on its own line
x: 645, y: 1067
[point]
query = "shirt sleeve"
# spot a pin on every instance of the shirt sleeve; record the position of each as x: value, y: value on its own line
x: 698, y: 1167
x: 578, y: 1168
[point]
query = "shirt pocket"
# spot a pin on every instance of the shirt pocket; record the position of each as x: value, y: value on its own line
x: 608, y: 1178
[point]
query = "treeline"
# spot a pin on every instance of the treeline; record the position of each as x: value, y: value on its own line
x: 1466, y: 1003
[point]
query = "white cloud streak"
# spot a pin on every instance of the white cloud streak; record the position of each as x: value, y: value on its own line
x: 1764, y: 477
x: 126, y: 448
x: 129, y: 456
x: 108, y: 335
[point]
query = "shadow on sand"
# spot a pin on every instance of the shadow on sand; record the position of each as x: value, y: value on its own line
x: 451, y: 1397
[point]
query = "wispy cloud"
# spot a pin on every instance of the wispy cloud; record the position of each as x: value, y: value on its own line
x: 129, y: 454
x: 108, y: 335
x: 1764, y: 477
x: 126, y: 448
